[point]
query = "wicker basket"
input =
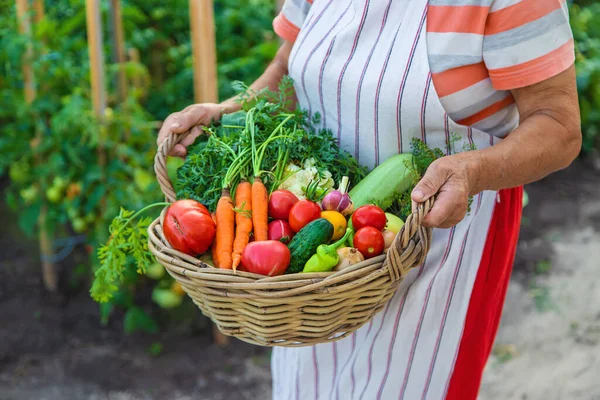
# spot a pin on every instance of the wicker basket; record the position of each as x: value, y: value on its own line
x: 295, y: 309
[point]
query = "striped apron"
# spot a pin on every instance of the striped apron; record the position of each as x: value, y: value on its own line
x: 363, y: 66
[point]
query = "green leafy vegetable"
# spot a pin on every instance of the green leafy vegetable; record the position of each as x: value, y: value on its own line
x: 276, y: 137
x: 423, y: 157
x: 126, y: 239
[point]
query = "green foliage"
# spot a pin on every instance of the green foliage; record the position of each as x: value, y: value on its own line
x: 423, y: 157
x: 84, y: 168
x: 278, y: 135
x: 585, y: 22
x: 245, y: 45
x: 137, y: 319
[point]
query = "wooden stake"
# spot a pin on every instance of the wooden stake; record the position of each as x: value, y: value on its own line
x: 38, y: 6
x: 118, y: 38
x: 94, y: 37
x: 49, y: 275
x: 25, y: 29
x: 204, y: 51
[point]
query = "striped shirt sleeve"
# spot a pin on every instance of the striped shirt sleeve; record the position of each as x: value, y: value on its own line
x: 526, y: 42
x: 289, y: 21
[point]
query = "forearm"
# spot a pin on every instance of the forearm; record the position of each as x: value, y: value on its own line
x: 270, y: 79
x: 548, y: 138
x: 539, y: 146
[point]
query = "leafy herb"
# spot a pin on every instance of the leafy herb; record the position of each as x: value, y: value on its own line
x: 276, y: 137
x: 126, y: 239
x: 423, y: 157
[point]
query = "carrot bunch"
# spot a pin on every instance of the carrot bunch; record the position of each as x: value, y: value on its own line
x: 249, y: 217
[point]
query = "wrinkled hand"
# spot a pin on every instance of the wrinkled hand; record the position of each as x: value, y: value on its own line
x: 190, y: 118
x: 448, y: 177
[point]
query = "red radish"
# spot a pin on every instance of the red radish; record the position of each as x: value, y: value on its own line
x: 281, y: 231
x: 280, y: 204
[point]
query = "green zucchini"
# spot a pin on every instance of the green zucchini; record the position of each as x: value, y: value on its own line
x: 304, y: 244
x: 385, y: 183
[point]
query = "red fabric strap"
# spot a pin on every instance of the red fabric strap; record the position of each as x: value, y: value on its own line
x: 487, y: 299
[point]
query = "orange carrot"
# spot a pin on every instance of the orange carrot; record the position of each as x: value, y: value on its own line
x: 225, y: 230
x: 260, y: 210
x: 243, y: 221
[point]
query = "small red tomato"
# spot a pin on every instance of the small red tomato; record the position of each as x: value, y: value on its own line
x: 268, y: 257
x: 369, y: 241
x: 281, y: 231
x: 188, y: 227
x: 369, y: 215
x: 302, y: 213
x: 280, y: 204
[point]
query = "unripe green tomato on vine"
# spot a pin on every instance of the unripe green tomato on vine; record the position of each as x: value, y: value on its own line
x: 30, y: 194
x: 19, y: 172
x: 79, y: 225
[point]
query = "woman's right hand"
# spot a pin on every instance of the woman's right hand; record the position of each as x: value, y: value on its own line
x: 191, y: 118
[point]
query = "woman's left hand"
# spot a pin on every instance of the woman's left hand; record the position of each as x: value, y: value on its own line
x: 449, y: 178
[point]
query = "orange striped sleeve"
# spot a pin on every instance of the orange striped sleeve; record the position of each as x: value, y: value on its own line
x: 457, y: 19
x: 285, y: 29
x: 457, y: 79
x: 520, y: 14
x: 487, y: 112
x: 534, y: 71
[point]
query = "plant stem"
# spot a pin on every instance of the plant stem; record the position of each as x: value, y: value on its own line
x: 164, y: 203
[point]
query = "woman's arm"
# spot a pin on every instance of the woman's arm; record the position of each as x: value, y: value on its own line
x: 197, y: 115
x: 548, y: 139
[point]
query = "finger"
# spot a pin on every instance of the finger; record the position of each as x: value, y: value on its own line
x: 191, y: 138
x: 179, y: 150
x: 430, y: 184
x: 196, y: 114
x: 164, y: 130
x: 442, y: 211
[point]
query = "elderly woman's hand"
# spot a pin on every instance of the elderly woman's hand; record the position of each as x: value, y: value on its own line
x: 190, y: 118
x: 450, y: 178
x: 547, y: 139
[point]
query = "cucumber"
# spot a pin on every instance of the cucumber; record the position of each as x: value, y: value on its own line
x: 385, y: 183
x: 304, y: 244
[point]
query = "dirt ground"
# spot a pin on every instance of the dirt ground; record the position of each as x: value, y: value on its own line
x: 548, y: 346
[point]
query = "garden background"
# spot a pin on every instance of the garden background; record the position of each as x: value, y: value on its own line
x: 63, y: 159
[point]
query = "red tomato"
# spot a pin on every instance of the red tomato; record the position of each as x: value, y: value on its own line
x: 369, y: 215
x: 302, y: 213
x: 188, y: 227
x: 268, y: 257
x: 369, y: 241
x: 280, y: 204
x: 281, y: 231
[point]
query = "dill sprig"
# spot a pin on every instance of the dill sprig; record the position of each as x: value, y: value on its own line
x: 128, y: 237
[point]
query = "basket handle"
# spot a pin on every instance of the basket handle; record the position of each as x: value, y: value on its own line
x: 160, y: 164
x: 411, y: 244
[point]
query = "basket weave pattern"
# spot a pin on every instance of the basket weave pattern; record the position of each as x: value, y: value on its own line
x: 295, y: 309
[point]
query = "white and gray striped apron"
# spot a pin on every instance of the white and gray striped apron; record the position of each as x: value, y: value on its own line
x: 362, y: 64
